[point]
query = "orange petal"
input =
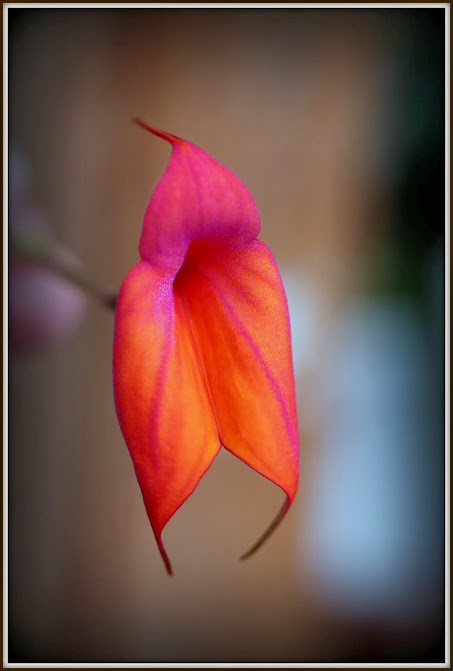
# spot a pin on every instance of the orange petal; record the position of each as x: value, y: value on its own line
x: 241, y: 328
x: 160, y: 395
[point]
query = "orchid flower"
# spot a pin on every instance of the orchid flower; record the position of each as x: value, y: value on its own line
x: 202, y: 353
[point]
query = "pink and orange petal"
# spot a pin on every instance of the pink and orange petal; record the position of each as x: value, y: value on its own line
x: 202, y: 354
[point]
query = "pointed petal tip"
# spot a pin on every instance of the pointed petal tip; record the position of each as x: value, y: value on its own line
x: 172, y: 139
x: 164, y: 555
x: 271, y: 528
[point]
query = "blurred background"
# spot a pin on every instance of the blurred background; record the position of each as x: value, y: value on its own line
x: 334, y: 119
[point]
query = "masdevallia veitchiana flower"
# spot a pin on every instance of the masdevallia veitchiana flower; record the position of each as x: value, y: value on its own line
x: 202, y: 352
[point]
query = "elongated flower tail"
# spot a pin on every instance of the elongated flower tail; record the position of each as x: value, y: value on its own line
x: 270, y: 529
x: 202, y: 354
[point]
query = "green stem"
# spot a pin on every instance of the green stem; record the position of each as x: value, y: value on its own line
x: 56, y: 258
